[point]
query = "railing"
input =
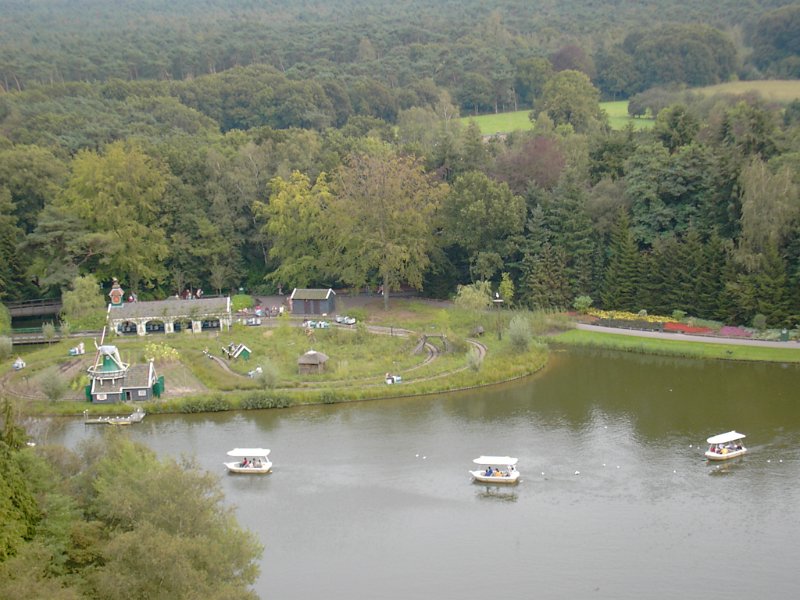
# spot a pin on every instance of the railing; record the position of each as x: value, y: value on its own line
x: 30, y: 308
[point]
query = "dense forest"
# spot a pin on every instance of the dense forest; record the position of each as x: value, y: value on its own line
x: 196, y: 143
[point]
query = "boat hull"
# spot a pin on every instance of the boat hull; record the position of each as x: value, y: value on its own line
x: 235, y: 467
x: 509, y: 479
x: 726, y: 456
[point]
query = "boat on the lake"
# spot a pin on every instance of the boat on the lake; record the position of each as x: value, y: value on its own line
x: 496, y: 469
x: 135, y: 417
x: 725, y: 446
x: 251, y: 461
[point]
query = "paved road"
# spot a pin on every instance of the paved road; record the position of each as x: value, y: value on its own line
x: 689, y: 338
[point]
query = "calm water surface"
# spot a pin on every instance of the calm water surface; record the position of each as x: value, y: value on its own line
x: 373, y: 500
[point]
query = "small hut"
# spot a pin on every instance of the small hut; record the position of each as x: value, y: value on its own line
x: 312, y: 362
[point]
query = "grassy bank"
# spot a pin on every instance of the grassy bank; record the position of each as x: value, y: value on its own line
x: 686, y: 349
x: 359, y: 359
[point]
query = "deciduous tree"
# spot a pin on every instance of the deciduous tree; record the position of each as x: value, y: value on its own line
x: 382, y: 220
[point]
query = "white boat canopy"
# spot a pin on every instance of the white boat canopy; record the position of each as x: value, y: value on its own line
x: 724, y: 438
x: 245, y: 452
x: 489, y: 461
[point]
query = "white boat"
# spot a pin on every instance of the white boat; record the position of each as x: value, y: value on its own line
x: 252, y: 461
x: 498, y: 469
x: 725, y: 446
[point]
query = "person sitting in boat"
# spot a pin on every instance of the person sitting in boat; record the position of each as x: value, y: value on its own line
x: 488, y: 472
x: 257, y: 463
x: 245, y: 463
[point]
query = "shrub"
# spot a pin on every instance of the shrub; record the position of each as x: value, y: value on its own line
x: 476, y: 296
x: 474, y: 359
x: 241, y: 301
x: 328, y: 396
x: 49, y: 332
x: 760, y: 322
x: 5, y: 319
x: 54, y: 387
x: 83, y: 305
x: 519, y: 333
x: 582, y: 303
x: 269, y: 376
x: 6, y: 347
x: 678, y: 315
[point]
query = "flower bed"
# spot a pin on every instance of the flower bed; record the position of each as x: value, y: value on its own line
x: 731, y: 331
x: 674, y: 327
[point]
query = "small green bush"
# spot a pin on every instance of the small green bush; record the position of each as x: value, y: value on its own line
x: 269, y: 376
x: 582, y: 303
x: 49, y: 332
x: 327, y: 396
x: 474, y: 359
x: 519, y: 333
x: 678, y: 315
x: 54, y: 387
x: 241, y: 301
x: 6, y: 347
x: 5, y: 320
x: 760, y: 322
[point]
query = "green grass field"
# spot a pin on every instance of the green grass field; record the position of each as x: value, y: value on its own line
x: 775, y: 91
x: 782, y: 91
x: 520, y: 121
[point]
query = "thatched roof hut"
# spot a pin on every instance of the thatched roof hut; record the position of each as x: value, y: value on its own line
x: 312, y: 362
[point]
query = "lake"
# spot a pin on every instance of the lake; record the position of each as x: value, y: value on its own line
x: 373, y: 499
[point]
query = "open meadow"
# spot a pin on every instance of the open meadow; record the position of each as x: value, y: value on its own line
x: 520, y: 120
x: 781, y: 91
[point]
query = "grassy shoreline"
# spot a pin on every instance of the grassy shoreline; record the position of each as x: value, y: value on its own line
x: 450, y: 372
x: 356, y: 370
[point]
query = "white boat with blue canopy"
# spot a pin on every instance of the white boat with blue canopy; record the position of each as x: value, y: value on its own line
x: 251, y: 461
x: 496, y: 469
x: 725, y: 446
